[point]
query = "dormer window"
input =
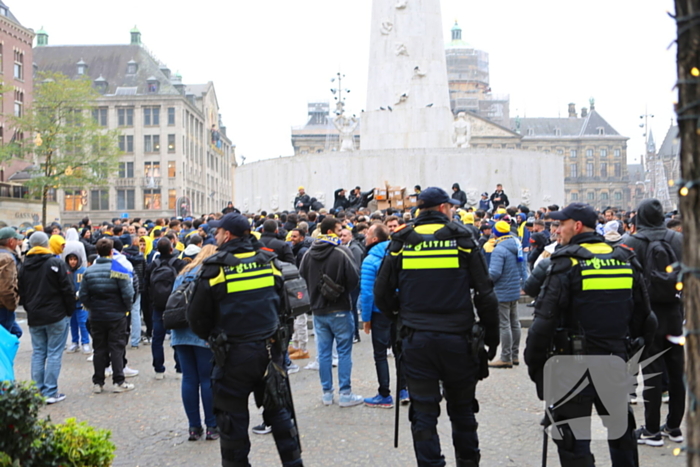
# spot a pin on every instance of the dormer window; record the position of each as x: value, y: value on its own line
x: 557, y: 132
x: 131, y: 67
x: 530, y: 132
x: 152, y: 85
x: 600, y: 130
x: 3, y: 11
x: 82, y: 68
x: 101, y: 85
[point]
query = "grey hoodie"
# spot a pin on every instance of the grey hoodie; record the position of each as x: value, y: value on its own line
x: 75, y: 246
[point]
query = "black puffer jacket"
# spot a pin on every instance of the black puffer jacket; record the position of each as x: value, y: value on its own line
x: 107, y: 298
x: 45, y: 289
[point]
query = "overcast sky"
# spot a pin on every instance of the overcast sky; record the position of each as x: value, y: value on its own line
x: 267, y: 59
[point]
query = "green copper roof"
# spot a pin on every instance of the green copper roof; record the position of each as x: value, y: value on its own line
x: 135, y: 29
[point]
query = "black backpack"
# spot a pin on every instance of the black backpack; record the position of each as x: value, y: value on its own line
x: 297, y: 299
x: 161, y: 282
x: 175, y: 314
x: 661, y: 285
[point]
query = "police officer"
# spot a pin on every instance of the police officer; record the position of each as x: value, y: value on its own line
x: 593, y: 303
x: 426, y: 277
x: 236, y: 306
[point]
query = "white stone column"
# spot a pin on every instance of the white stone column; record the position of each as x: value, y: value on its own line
x: 407, y: 78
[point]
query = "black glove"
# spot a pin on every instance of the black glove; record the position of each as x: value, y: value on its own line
x: 491, y: 353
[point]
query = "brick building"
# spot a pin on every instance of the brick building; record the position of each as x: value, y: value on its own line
x: 16, y: 73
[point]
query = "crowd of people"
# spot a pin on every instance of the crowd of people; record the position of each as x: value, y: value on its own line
x: 403, y: 277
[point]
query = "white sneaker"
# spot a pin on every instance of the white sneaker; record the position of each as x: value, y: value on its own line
x: 160, y: 375
x: 129, y: 372
x: 123, y: 387
x: 108, y: 371
x: 73, y: 348
x: 56, y: 398
x: 335, y: 362
x: 86, y: 349
x: 350, y: 400
x: 97, y: 389
x: 89, y: 359
x: 312, y: 366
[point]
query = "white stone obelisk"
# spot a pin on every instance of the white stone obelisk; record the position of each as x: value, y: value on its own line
x: 407, y: 78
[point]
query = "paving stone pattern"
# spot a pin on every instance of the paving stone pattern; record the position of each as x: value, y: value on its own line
x: 149, y: 425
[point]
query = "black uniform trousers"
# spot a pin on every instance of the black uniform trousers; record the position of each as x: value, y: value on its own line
x: 577, y: 452
x: 673, y: 361
x: 243, y: 373
x: 431, y: 357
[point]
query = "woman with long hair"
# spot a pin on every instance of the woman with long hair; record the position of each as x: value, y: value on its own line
x: 195, y: 358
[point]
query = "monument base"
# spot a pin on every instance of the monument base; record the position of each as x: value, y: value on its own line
x: 532, y: 178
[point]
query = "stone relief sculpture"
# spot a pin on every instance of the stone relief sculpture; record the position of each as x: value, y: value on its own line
x: 386, y: 27
x: 346, y: 126
x: 401, y: 4
x: 462, y: 131
x: 525, y: 196
x: 401, y: 49
x: 473, y: 197
x: 418, y: 73
x: 258, y: 204
x: 245, y: 204
x: 402, y: 98
x: 274, y: 202
x: 547, y: 198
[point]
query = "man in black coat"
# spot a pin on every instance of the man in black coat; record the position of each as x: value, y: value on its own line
x: 47, y: 295
x: 302, y: 202
x: 499, y: 198
x: 270, y: 239
x: 459, y: 195
x: 341, y: 202
x: 668, y: 311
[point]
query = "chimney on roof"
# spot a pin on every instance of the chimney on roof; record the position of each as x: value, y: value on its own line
x: 572, y: 110
x: 177, y: 83
x: 135, y: 36
x: 592, y: 102
x: 42, y: 38
x: 165, y: 70
x: 584, y: 112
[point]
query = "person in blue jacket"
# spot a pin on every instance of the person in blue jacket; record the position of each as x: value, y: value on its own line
x: 383, y: 329
x: 507, y: 270
x: 78, y: 322
x: 195, y: 357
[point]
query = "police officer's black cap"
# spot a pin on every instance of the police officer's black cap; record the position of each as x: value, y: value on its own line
x: 434, y: 196
x: 234, y: 222
x: 579, y: 212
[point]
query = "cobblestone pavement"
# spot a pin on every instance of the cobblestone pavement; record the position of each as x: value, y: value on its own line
x: 149, y: 425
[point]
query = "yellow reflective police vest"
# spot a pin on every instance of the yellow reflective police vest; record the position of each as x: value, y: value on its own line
x: 250, y: 307
x: 601, y: 295
x: 432, y: 281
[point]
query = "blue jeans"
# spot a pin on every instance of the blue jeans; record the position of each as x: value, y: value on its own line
x: 78, y: 329
x: 196, y: 378
x: 336, y: 326
x: 157, y: 342
x: 7, y: 320
x: 136, y: 321
x: 48, y: 342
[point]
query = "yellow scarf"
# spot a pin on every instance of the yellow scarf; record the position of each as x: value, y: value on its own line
x: 40, y: 250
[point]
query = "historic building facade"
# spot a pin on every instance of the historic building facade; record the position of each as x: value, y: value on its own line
x: 16, y: 73
x: 176, y: 158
